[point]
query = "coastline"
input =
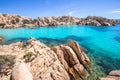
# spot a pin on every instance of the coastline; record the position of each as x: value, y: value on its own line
x: 16, y: 21
x: 35, y: 49
x: 67, y: 23
x: 35, y: 54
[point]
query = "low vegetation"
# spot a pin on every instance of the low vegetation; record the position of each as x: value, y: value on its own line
x: 28, y: 56
x: 6, y: 63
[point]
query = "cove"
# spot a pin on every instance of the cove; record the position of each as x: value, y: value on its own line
x: 102, y: 44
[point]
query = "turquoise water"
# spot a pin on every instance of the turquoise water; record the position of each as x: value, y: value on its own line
x: 101, y: 43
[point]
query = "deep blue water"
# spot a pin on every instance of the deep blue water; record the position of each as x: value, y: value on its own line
x: 101, y: 43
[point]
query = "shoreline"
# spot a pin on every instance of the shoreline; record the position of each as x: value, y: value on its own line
x: 76, y: 66
x: 15, y: 44
x: 35, y: 27
x: 17, y: 21
x: 93, y: 71
x: 18, y: 46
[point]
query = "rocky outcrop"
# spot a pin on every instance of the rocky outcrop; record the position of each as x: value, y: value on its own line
x: 15, y: 21
x: 44, y: 63
x: 74, y: 60
x: 113, y: 75
x: 35, y: 61
x: 100, y: 21
x: 1, y: 39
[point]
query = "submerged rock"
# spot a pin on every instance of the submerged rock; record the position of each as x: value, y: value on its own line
x: 115, y: 73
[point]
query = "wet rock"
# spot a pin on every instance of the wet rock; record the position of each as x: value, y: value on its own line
x: 115, y: 73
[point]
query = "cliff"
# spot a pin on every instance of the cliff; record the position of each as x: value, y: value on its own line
x: 15, y: 21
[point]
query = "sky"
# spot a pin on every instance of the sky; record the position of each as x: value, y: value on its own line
x: 78, y: 8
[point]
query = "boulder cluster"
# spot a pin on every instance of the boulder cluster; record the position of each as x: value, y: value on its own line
x: 15, y: 21
x: 35, y: 61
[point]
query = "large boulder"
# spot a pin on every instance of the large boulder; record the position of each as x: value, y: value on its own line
x: 73, y: 59
x: 21, y: 72
x: 115, y: 73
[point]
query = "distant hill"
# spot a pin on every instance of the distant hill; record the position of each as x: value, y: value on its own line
x: 15, y: 21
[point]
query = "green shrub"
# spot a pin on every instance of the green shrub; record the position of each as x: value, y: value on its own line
x: 28, y: 56
x: 2, y: 24
x: 6, y: 62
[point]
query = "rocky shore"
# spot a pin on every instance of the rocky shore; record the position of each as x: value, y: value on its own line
x: 15, y: 21
x: 35, y: 61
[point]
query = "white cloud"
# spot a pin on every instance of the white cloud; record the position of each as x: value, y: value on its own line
x: 114, y: 12
x: 70, y: 13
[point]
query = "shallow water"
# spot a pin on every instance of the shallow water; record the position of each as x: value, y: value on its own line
x: 102, y: 43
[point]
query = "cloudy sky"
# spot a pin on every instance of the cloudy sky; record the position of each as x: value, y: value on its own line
x: 79, y: 8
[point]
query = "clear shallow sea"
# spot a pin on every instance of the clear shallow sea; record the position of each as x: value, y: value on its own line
x: 101, y: 43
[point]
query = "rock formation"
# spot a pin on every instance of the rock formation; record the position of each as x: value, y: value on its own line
x: 113, y: 75
x: 15, y: 21
x: 74, y: 60
x: 1, y: 39
x: 35, y: 61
